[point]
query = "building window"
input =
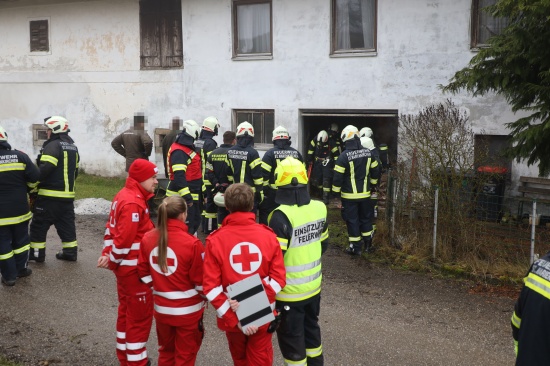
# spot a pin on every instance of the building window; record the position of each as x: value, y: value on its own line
x: 490, y: 150
x: 39, y: 35
x: 263, y: 122
x: 39, y: 134
x: 252, y: 27
x: 484, y: 25
x: 160, y: 134
x: 353, y: 26
x: 160, y: 29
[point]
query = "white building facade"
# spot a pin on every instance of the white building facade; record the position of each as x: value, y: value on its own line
x: 301, y: 64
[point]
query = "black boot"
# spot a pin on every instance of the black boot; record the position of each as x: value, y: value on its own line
x: 24, y: 272
x: 326, y: 197
x: 67, y: 255
x: 37, y: 255
x: 354, y: 249
x: 368, y: 245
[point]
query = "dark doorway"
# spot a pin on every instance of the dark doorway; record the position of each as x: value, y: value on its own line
x: 384, y: 125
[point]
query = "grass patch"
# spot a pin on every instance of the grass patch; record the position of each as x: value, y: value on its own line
x: 94, y: 186
x: 6, y: 362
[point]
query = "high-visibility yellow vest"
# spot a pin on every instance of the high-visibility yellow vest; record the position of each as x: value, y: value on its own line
x: 303, y: 251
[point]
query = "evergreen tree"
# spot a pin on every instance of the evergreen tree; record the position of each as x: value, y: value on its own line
x: 516, y: 65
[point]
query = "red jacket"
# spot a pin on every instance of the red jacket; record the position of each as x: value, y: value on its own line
x: 177, y: 293
x: 128, y: 221
x: 253, y: 248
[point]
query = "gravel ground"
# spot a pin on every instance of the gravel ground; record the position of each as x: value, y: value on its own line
x: 64, y: 314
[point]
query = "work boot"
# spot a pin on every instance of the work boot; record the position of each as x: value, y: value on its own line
x: 353, y: 250
x: 37, y: 255
x: 369, y: 248
x: 8, y: 282
x: 24, y: 272
x: 326, y: 196
x: 71, y: 256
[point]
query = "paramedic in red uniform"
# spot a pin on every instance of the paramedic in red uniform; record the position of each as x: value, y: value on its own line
x: 170, y: 261
x: 128, y: 221
x: 239, y: 249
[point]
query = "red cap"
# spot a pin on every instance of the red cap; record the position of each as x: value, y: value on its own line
x: 142, y: 169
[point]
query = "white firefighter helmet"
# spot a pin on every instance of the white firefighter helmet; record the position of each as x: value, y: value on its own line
x: 367, y: 143
x: 244, y: 129
x: 349, y: 132
x: 3, y: 134
x: 334, y: 127
x: 365, y: 132
x: 191, y: 128
x: 322, y: 136
x: 219, y: 199
x: 211, y: 124
x: 280, y: 133
x: 57, y: 124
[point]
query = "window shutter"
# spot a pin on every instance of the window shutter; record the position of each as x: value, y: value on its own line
x: 39, y: 36
x: 150, y: 35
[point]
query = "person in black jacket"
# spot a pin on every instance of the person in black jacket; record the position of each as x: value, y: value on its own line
x: 216, y: 173
x: 321, y: 154
x: 58, y: 163
x: 204, y: 145
x: 356, y: 173
x: 168, y: 140
x: 245, y: 165
x: 18, y: 175
x: 530, y: 320
x: 270, y: 160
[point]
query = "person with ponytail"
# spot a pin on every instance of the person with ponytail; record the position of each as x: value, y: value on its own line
x: 171, y: 261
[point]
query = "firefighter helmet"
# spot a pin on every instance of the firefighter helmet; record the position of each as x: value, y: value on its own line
x: 322, y: 136
x: 244, y: 129
x: 365, y: 132
x: 191, y: 128
x: 3, y: 134
x: 348, y: 133
x: 334, y: 127
x: 290, y: 172
x: 219, y: 199
x: 280, y: 133
x: 57, y: 124
x: 211, y: 124
x: 367, y: 143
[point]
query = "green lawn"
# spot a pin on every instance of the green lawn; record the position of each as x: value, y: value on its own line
x: 4, y: 362
x: 93, y: 186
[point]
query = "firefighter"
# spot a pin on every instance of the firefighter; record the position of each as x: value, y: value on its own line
x: 185, y: 172
x: 170, y: 261
x: 204, y: 145
x: 128, y: 222
x: 356, y: 173
x: 302, y: 230
x: 216, y: 173
x: 239, y: 249
x: 134, y: 143
x: 334, y: 137
x: 168, y: 140
x: 18, y: 175
x: 322, y: 154
x: 245, y: 165
x: 530, y: 329
x: 367, y: 143
x: 58, y: 163
x: 270, y: 160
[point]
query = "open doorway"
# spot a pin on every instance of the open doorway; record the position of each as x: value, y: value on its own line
x: 384, y: 124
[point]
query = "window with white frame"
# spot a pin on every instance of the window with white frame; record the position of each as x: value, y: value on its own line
x: 353, y: 26
x: 252, y: 25
x: 263, y: 121
x: 484, y: 25
x: 39, y: 35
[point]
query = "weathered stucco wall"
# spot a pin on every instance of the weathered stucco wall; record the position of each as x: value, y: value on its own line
x: 92, y: 73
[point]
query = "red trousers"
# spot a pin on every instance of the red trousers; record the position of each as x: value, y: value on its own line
x: 254, y: 350
x: 179, y: 345
x: 135, y: 317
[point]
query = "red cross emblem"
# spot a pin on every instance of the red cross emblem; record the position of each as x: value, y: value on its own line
x: 171, y: 261
x: 245, y: 258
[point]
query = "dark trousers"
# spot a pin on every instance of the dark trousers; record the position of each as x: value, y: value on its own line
x: 194, y: 215
x: 268, y: 204
x: 299, y: 334
x: 321, y: 176
x: 210, y: 221
x: 222, y: 214
x: 57, y: 212
x: 358, y: 217
x: 14, y: 249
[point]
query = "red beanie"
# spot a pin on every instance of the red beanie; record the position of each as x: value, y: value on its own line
x: 142, y: 169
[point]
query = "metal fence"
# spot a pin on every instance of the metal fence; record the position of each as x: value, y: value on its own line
x: 457, y: 223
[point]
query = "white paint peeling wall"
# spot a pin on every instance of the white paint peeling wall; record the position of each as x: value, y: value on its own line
x: 92, y: 74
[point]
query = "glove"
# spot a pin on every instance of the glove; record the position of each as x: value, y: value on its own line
x: 221, y: 187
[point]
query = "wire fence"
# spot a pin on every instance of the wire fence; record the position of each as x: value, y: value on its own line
x: 451, y: 224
